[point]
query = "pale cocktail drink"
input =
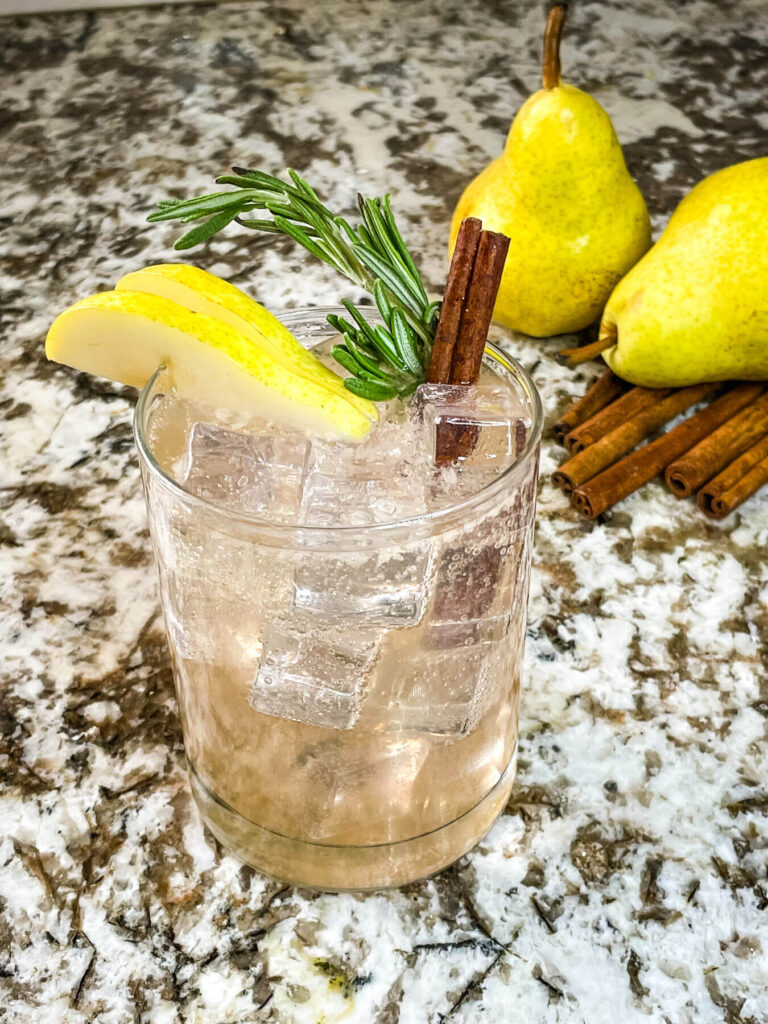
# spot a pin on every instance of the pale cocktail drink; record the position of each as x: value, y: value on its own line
x: 346, y: 621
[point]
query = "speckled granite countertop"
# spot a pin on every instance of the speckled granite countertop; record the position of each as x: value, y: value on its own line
x: 627, y: 879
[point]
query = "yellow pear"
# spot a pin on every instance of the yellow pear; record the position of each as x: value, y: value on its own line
x: 562, y: 193
x: 695, y: 308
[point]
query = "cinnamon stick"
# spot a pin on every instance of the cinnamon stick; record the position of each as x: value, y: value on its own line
x: 460, y: 272
x: 478, y: 309
x: 609, y: 449
x: 625, y: 477
x: 456, y: 441
x: 704, y: 461
x: 629, y: 406
x: 600, y: 393
x: 736, y: 483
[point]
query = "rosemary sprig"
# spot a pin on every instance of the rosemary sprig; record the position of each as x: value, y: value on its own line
x: 386, y: 360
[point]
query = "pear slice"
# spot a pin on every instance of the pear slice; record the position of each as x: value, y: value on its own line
x: 126, y: 336
x: 202, y: 292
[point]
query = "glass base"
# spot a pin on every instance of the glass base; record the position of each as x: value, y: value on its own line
x: 346, y: 868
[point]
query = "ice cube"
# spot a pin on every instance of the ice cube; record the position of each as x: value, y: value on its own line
x: 218, y: 589
x: 484, y: 427
x: 313, y: 673
x: 256, y: 474
x: 472, y: 593
x: 330, y: 500
x: 472, y: 633
x: 387, y: 589
x: 362, y: 787
x: 366, y: 483
x: 459, y: 632
x: 442, y: 692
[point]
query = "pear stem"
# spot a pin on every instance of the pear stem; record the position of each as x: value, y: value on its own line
x: 576, y: 356
x: 550, y: 71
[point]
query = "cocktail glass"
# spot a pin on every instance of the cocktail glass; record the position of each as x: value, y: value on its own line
x: 348, y: 695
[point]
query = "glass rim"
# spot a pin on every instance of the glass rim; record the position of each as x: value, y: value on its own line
x: 435, y: 518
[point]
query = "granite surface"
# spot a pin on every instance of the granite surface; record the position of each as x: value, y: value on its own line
x: 627, y: 879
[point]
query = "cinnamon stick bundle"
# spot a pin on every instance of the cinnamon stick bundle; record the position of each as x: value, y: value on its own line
x: 457, y: 353
x: 459, y: 275
x: 600, y: 393
x: 478, y: 308
x: 736, y: 483
x: 628, y: 407
x: 630, y: 473
x: 603, y: 453
x: 688, y: 473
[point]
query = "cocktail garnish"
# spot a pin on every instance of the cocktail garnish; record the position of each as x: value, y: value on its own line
x: 385, y: 361
x: 465, y: 317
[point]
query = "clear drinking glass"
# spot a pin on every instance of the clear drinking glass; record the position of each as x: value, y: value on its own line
x: 348, y: 695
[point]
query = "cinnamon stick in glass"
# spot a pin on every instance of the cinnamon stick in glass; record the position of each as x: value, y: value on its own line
x: 448, y: 325
x: 456, y: 441
x: 703, y: 462
x: 736, y: 483
x: 609, y: 449
x: 600, y: 393
x: 478, y: 309
x: 630, y: 473
x: 621, y: 411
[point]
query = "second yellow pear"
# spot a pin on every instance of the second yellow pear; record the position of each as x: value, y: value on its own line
x: 562, y: 193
